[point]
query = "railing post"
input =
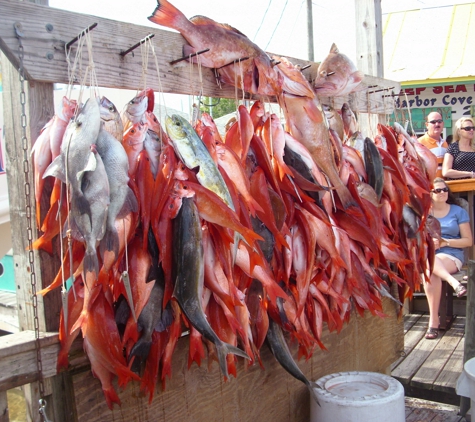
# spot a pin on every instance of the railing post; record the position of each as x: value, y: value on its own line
x: 469, y: 347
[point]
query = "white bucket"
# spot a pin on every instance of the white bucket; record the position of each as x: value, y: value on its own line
x: 466, y: 382
x: 358, y: 397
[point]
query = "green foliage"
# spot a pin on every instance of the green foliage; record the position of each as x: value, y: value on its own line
x: 220, y: 106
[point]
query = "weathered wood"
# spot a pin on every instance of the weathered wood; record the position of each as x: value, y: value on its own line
x: 411, y: 339
x: 447, y: 379
x: 197, y: 394
x: 18, y: 358
x: 4, y: 416
x: 45, y: 58
x: 435, y: 363
x: 39, y: 109
x: 409, y: 366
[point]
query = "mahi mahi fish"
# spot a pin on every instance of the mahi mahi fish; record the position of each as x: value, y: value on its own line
x: 188, y: 264
x: 280, y: 350
x: 194, y: 154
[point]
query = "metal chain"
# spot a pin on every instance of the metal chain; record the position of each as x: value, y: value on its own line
x: 27, y: 187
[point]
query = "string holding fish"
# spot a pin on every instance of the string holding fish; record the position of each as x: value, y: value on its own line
x: 196, y: 112
x: 125, y: 278
x: 409, y: 112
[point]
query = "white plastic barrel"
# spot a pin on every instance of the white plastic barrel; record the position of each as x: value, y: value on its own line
x: 358, y: 397
x: 466, y: 382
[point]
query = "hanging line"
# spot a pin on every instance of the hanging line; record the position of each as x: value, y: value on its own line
x: 409, y: 113
x: 144, y: 51
x: 161, y: 96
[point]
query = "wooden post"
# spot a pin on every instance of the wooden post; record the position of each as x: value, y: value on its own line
x: 4, y: 407
x: 369, y: 50
x: 469, y: 346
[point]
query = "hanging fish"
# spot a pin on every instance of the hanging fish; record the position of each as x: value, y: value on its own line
x: 189, y: 277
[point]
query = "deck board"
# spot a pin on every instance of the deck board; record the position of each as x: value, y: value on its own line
x: 429, y: 369
x: 437, y: 360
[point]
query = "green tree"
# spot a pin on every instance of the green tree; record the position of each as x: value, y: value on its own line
x: 217, y: 107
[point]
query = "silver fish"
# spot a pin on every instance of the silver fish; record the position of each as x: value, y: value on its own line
x: 188, y: 264
x: 77, y: 155
x: 95, y: 187
x: 135, y: 109
x: 280, y: 350
x: 122, y: 198
x: 111, y: 119
x: 153, y: 146
x: 194, y: 154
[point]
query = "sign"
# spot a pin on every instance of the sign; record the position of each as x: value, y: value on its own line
x: 418, y: 117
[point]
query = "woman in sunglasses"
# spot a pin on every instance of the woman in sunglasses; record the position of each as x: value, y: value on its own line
x: 449, y: 256
x: 459, y: 160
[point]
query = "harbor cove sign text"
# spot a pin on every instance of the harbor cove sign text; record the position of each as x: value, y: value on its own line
x: 451, y: 100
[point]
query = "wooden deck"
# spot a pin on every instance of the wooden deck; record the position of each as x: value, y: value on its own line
x: 429, y: 369
x: 8, y: 312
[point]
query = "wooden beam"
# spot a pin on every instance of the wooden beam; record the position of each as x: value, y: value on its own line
x: 47, y: 31
x: 18, y: 359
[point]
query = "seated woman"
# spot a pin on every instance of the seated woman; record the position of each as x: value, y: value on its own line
x: 459, y: 160
x: 456, y: 234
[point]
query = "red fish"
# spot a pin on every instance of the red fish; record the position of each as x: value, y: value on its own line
x: 227, y: 47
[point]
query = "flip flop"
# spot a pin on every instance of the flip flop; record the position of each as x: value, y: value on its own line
x: 432, y: 333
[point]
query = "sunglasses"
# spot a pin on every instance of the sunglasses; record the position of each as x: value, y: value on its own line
x: 440, y: 190
x: 468, y: 128
x: 433, y: 122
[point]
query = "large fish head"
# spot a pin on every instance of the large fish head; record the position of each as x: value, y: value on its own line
x: 108, y: 110
x: 137, y: 106
x: 177, y: 127
x: 337, y: 75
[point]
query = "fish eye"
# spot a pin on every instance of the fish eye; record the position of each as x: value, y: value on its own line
x: 132, y: 131
x: 111, y: 108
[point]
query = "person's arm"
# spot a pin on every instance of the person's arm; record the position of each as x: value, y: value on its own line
x: 448, y: 171
x: 465, y: 240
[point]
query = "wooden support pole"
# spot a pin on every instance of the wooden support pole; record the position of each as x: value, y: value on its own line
x: 469, y: 347
x: 4, y: 417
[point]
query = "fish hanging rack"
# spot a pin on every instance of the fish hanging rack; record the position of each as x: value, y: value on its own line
x: 48, y: 31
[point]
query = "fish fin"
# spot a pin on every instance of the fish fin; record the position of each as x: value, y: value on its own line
x: 312, y: 386
x: 223, y: 349
x: 91, y: 263
x: 141, y: 349
x: 83, y: 205
x: 165, y: 321
x: 130, y: 204
x: 56, y: 169
x: 166, y: 14
x: 110, y: 242
x: 111, y: 397
x: 314, y: 112
x: 44, y: 244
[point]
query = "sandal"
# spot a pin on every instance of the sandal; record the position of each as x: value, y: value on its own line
x: 460, y: 290
x: 432, y: 333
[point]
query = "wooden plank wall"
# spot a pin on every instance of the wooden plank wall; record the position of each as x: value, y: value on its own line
x: 195, y: 395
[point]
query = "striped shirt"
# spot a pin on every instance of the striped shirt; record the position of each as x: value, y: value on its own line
x: 438, y: 148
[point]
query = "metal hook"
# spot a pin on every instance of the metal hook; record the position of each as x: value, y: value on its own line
x: 234, y: 62
x: 81, y: 34
x: 42, y: 410
x: 305, y: 67
x: 148, y: 37
x: 379, y: 90
x: 189, y: 56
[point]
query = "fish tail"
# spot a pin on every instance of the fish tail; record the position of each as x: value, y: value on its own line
x: 111, y: 397
x: 166, y: 14
x: 91, y: 263
x: 346, y: 198
x: 43, y: 243
x: 110, y: 242
x: 312, y: 386
x: 223, y: 349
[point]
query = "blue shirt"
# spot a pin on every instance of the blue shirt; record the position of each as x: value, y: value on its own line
x: 450, y: 229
